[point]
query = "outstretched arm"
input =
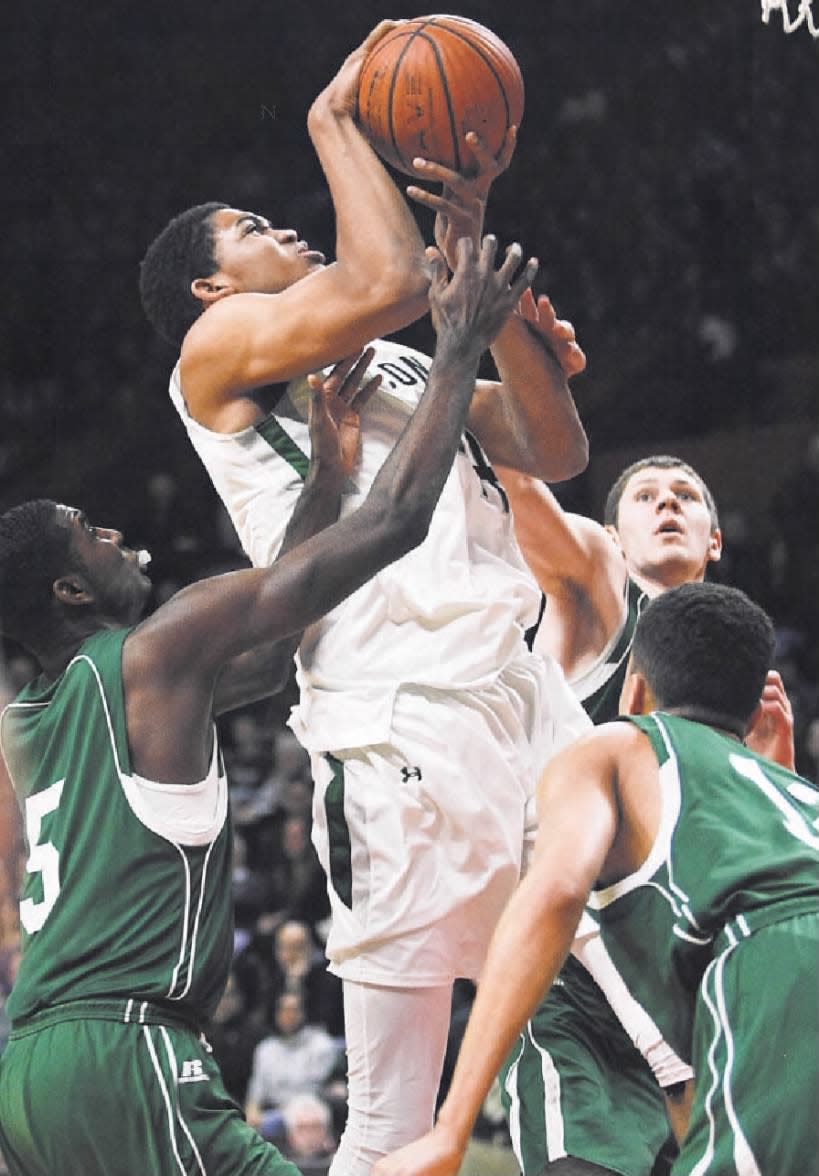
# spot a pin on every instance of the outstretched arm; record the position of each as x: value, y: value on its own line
x: 176, y: 655
x: 535, y: 932
x: 578, y: 566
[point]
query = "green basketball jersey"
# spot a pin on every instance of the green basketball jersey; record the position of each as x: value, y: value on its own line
x: 598, y: 689
x: 127, y: 887
x: 700, y: 889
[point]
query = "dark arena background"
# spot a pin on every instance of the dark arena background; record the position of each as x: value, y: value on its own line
x: 666, y: 175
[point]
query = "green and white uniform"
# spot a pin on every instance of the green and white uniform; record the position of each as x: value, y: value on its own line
x: 127, y: 940
x: 717, y: 934
x: 428, y: 721
x: 584, y: 1078
x: 427, y: 718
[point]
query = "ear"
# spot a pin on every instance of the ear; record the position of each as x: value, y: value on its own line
x: 636, y: 697
x: 615, y: 538
x: 715, y: 546
x: 209, y: 290
x: 72, y: 590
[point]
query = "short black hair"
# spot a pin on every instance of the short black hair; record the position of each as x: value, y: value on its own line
x: 34, y: 552
x: 660, y: 461
x: 182, y: 252
x: 706, y: 648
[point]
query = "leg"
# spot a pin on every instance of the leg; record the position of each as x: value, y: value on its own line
x: 396, y: 1039
x: 577, y: 1092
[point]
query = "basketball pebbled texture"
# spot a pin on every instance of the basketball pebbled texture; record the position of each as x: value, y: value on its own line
x: 427, y: 83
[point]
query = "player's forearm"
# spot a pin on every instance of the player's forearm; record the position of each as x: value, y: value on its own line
x: 537, y: 938
x: 377, y: 237
x: 531, y: 423
x: 316, y: 507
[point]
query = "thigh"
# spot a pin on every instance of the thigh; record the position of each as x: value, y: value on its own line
x: 99, y: 1098
x: 575, y: 1086
x: 755, y: 1056
x: 422, y: 838
x: 396, y: 1040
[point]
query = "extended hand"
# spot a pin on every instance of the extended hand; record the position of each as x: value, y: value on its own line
x: 341, y: 92
x: 471, y: 307
x: 335, y: 408
x: 461, y: 206
x: 771, y: 730
x: 434, y: 1154
x: 558, y: 334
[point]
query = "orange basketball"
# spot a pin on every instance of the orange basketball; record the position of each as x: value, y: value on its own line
x: 427, y: 83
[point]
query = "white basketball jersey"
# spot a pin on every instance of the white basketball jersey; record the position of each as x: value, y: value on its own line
x: 449, y: 615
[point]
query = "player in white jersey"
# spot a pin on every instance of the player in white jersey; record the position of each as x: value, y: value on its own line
x: 425, y: 714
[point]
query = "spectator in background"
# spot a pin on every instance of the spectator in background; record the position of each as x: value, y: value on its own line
x: 234, y: 1031
x: 308, y: 1140
x: 299, y: 966
x: 297, y: 1058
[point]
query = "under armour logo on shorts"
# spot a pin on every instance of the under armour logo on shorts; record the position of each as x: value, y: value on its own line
x: 410, y: 774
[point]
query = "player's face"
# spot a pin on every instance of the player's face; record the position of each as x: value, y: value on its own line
x: 664, y: 526
x: 255, y: 257
x: 113, y: 571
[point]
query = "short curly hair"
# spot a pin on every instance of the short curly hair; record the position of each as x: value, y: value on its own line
x: 706, y: 647
x: 182, y: 252
x: 34, y: 551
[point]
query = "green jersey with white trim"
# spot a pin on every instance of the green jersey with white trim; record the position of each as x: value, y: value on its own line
x: 598, y: 688
x: 127, y: 886
x: 737, y: 849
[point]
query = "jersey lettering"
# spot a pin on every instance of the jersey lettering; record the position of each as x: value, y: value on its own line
x: 405, y: 370
x: 795, y: 823
x: 43, y: 858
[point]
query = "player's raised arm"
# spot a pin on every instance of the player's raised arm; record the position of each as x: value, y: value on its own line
x: 252, y: 304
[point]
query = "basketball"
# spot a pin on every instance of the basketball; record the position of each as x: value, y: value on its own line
x: 427, y: 83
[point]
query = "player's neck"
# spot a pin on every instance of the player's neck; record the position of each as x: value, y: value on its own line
x: 720, y: 721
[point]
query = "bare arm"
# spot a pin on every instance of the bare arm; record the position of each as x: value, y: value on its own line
x: 172, y: 660
x: 535, y: 931
x: 529, y: 421
x: 577, y: 565
x: 377, y: 284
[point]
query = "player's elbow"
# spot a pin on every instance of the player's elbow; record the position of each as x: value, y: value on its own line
x: 401, y: 523
x: 402, y: 280
x: 568, y: 459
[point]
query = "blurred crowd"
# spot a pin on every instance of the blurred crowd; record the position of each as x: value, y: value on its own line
x: 668, y: 177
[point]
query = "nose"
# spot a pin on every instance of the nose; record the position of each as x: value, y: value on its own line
x: 111, y: 534
x: 286, y: 236
x: 668, y: 501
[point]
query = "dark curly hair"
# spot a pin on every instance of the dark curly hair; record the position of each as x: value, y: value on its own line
x: 182, y: 252
x: 34, y: 551
x: 705, y: 648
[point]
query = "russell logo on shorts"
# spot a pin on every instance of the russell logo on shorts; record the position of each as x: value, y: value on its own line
x: 192, y: 1071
